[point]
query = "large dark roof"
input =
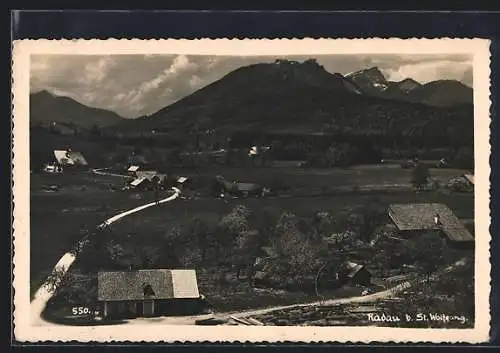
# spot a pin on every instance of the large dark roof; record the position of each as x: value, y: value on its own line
x: 421, y: 217
x: 129, y: 285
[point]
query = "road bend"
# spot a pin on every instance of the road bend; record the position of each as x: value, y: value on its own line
x: 47, y: 289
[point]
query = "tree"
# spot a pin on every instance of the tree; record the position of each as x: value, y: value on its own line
x: 420, y: 175
x: 72, y: 287
x: 428, y: 253
x: 200, y: 233
x: 231, y: 226
x: 298, y: 255
x: 370, y: 218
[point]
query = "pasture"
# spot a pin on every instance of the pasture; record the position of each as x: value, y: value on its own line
x: 60, y: 218
x: 307, y: 181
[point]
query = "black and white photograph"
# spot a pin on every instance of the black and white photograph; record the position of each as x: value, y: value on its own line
x: 230, y: 191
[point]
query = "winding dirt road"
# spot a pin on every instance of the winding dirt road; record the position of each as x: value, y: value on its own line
x: 46, y: 291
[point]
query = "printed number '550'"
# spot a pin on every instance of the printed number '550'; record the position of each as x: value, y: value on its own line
x: 80, y: 310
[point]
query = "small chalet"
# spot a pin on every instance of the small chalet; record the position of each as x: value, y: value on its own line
x: 182, y: 182
x: 132, y: 170
x: 139, y: 183
x: 70, y: 159
x: 147, y: 179
x: 52, y: 168
x: 470, y: 178
x: 147, y: 293
x: 247, y: 189
x: 354, y: 273
x: 414, y: 218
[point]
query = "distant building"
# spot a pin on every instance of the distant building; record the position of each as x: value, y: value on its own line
x: 147, y: 293
x: 70, y: 158
x: 470, y: 178
x: 146, y: 174
x: 147, y: 179
x: 52, y: 168
x: 355, y: 274
x: 139, y: 182
x: 463, y: 183
x: 247, y: 189
x: 182, y: 181
x: 431, y: 217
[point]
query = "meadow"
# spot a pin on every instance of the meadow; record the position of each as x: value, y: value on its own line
x: 60, y: 218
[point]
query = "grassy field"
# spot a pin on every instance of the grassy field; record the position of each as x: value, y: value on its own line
x: 59, y: 218
x: 219, y: 284
x: 307, y: 181
x: 156, y: 222
x: 84, y: 200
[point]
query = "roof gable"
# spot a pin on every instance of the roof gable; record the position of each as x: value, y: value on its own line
x: 421, y: 217
x: 69, y: 157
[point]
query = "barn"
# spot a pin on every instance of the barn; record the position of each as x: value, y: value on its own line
x: 431, y: 217
x: 148, y: 293
x: 355, y: 273
x: 70, y: 159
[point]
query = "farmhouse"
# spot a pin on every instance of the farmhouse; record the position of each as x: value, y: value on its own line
x: 470, y: 178
x: 140, y: 183
x: 355, y: 274
x: 132, y: 170
x: 182, y: 181
x: 70, y: 159
x: 247, y: 189
x: 430, y: 217
x: 156, y: 292
x: 52, y: 168
x: 147, y: 178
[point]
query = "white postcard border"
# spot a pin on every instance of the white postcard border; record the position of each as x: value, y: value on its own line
x: 26, y: 332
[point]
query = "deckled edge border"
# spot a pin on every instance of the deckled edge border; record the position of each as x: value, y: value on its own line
x: 319, y: 342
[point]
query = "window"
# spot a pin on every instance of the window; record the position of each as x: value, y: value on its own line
x: 148, y: 290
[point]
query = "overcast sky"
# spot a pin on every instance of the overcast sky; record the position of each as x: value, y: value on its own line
x: 135, y: 85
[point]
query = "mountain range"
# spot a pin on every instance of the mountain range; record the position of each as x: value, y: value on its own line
x: 46, y: 108
x: 440, y: 93
x: 304, y: 97
x: 284, y: 95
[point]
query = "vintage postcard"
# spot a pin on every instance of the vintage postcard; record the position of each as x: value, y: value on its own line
x: 251, y: 190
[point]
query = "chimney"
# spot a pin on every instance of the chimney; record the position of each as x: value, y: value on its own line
x: 437, y: 221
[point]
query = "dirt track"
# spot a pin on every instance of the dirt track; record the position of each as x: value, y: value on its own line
x: 44, y: 293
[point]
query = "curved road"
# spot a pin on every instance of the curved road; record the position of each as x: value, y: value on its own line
x: 45, y: 292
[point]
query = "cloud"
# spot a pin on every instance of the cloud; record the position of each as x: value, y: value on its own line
x: 136, y: 85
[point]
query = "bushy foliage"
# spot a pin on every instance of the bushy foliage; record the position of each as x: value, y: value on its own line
x: 420, y: 175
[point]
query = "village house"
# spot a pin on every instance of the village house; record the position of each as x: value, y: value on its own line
x: 247, y: 189
x: 354, y: 273
x: 469, y: 178
x: 147, y: 179
x: 464, y: 183
x: 182, y: 182
x: 413, y: 219
x: 148, y: 293
x: 67, y: 160
x: 132, y: 170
